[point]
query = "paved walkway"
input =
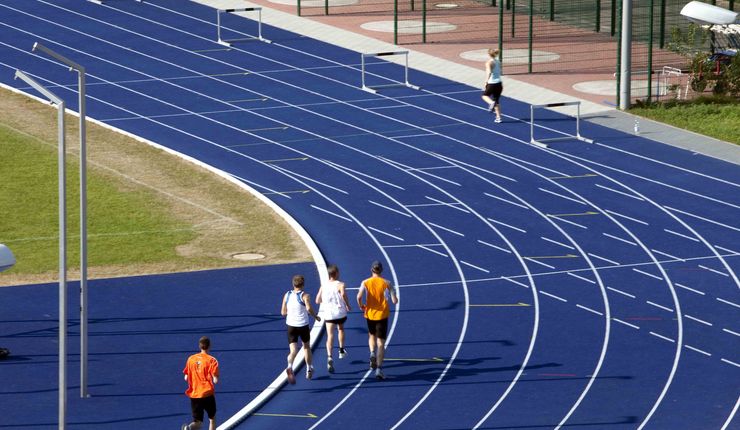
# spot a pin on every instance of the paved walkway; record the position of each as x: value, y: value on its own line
x: 438, y: 61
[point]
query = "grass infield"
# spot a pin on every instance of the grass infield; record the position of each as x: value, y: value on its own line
x: 148, y: 211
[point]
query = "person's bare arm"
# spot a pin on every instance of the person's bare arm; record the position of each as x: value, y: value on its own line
x: 318, y: 296
x: 309, y: 308
x: 343, y: 293
x: 284, y: 309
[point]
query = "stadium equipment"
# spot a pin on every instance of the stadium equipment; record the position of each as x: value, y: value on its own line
x: 405, y: 83
x: 229, y: 42
x: 542, y: 142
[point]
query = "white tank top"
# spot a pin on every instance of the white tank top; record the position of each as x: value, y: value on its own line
x: 297, y: 313
x: 332, y: 303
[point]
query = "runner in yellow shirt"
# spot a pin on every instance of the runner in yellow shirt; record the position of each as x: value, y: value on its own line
x: 373, y: 300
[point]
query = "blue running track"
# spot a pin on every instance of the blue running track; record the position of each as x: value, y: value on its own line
x: 589, y: 286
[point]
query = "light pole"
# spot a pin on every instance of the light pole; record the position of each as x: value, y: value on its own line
x: 83, y: 209
x: 62, y: 244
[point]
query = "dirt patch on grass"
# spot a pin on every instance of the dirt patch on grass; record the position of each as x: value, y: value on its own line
x: 226, y: 219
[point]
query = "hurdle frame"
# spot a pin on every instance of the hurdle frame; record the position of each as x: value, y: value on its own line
x: 541, y: 142
x: 246, y: 39
x: 374, y: 88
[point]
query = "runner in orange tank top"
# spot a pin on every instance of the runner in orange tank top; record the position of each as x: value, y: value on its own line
x: 201, y: 374
x: 374, y: 292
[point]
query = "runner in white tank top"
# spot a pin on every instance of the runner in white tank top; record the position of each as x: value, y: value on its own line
x: 296, y: 308
x: 332, y: 297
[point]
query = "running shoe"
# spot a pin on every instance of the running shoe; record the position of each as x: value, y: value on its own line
x: 373, y: 362
x: 291, y: 375
x: 185, y: 427
x: 330, y: 365
x: 379, y: 373
x: 309, y: 373
x: 342, y: 353
x: 497, y: 120
x: 490, y: 107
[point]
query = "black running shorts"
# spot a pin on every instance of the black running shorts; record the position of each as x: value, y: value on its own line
x: 299, y: 332
x: 378, y: 328
x: 207, y: 404
x: 494, y: 91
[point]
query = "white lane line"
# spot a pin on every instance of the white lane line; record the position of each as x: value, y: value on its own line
x: 568, y: 222
x: 494, y: 246
x: 615, y: 263
x: 385, y: 233
x: 642, y: 272
x: 698, y: 320
x: 714, y: 271
x: 726, y: 330
x: 620, y: 192
x: 553, y: 296
x: 451, y: 205
x: 626, y: 323
x: 589, y: 309
x: 698, y: 350
x: 730, y: 362
x: 389, y: 208
x: 364, y: 175
x: 662, y: 337
x: 432, y: 250
x: 621, y: 292
x: 659, y: 306
x: 292, y: 173
x: 446, y: 229
x: 728, y: 302
x: 727, y: 250
x: 556, y: 242
x: 689, y: 289
x: 731, y: 416
x: 474, y: 266
x: 611, y: 236
x: 581, y: 278
x: 702, y: 218
x: 514, y: 281
x: 506, y: 201
x: 412, y: 245
x: 331, y: 213
x: 681, y: 235
x: 506, y: 225
x: 562, y: 196
x: 539, y: 262
x: 665, y: 254
x: 617, y: 214
x: 458, y: 162
x: 436, y: 167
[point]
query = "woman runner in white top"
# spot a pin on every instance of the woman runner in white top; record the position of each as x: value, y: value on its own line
x: 332, y: 297
x: 493, y: 86
x: 296, y: 308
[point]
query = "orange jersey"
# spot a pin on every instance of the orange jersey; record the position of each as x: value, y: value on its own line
x: 200, y: 369
x: 377, y: 306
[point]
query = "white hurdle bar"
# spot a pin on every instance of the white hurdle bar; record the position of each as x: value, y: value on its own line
x: 541, y: 142
x: 406, y: 82
x: 243, y: 9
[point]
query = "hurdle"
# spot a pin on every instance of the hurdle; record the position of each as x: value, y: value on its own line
x: 374, y: 89
x: 229, y: 42
x: 541, y: 142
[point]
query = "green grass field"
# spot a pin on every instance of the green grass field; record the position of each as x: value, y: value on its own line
x: 124, y: 227
x: 148, y: 211
x: 718, y: 118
